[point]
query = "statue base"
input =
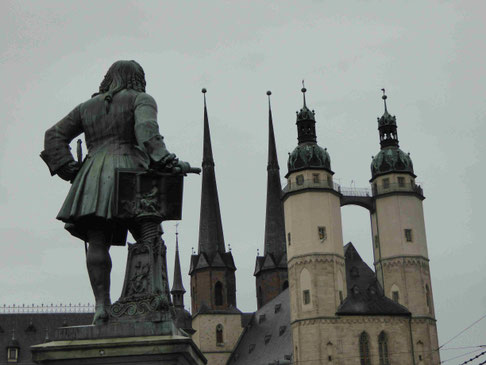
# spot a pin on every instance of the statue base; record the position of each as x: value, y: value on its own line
x: 141, y: 350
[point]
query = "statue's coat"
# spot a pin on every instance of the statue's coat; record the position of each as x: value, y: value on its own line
x: 125, y: 136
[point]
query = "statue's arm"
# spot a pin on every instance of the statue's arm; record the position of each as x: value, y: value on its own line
x: 147, y: 129
x: 57, y: 153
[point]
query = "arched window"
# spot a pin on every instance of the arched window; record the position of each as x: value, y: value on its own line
x: 218, y: 293
x: 427, y: 296
x: 330, y: 352
x: 219, y: 334
x: 260, y: 297
x: 383, y: 348
x: 285, y: 285
x: 305, y: 287
x: 364, y: 349
x: 395, y: 293
x: 420, y: 352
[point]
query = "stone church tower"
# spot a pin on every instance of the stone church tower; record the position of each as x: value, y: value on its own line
x: 215, y: 318
x: 271, y: 268
x: 400, y: 244
x: 314, y: 238
x: 342, y: 312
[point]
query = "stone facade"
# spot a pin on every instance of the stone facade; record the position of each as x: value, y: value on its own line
x: 206, y: 336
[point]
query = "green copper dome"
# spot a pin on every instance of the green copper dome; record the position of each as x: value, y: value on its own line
x: 309, y: 156
x: 391, y: 159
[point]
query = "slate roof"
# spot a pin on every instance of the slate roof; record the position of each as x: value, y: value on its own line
x: 30, y: 329
x: 365, y: 294
x: 267, y: 337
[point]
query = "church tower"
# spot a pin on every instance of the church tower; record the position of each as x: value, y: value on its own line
x: 400, y: 245
x: 212, y: 269
x: 183, y: 319
x: 215, y: 318
x: 271, y: 268
x: 314, y: 238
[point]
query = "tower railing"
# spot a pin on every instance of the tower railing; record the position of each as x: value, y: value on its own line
x: 48, y: 308
x: 311, y: 183
x: 352, y: 191
x: 379, y: 189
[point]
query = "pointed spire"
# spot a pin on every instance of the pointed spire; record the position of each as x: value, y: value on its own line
x: 274, y: 220
x: 207, y: 149
x: 177, y: 285
x: 272, y: 150
x: 211, y: 239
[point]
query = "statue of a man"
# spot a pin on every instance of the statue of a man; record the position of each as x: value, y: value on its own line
x: 120, y: 127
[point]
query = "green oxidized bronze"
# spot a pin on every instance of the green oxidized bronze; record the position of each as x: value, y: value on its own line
x: 309, y: 156
x: 126, y: 154
x: 391, y: 159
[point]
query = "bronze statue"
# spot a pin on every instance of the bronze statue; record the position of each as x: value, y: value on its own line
x: 121, y: 132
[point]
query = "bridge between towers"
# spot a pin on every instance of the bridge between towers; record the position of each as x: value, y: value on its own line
x: 357, y: 196
x: 348, y: 195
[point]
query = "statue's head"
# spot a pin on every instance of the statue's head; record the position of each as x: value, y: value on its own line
x: 123, y: 75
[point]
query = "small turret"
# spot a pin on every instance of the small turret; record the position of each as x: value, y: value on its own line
x: 391, y: 158
x: 308, y: 154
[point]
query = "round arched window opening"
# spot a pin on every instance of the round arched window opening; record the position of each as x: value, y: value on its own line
x: 218, y: 293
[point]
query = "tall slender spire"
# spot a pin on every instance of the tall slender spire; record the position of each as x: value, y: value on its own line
x: 274, y: 220
x: 177, y: 286
x: 211, y: 239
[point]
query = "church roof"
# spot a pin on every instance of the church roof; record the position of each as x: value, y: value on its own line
x: 33, y: 328
x: 267, y: 338
x: 365, y: 294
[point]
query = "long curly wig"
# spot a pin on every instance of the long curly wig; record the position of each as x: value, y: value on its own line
x: 121, y: 75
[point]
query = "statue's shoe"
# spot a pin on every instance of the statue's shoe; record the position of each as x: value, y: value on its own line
x: 101, y: 314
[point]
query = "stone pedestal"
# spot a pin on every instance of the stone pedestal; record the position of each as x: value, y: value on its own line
x: 141, y: 350
x: 140, y: 328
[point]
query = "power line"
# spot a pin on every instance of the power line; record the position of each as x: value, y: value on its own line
x: 460, y: 333
x: 477, y: 348
x: 474, y: 358
x: 458, y: 356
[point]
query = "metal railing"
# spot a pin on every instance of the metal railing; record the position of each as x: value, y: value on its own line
x: 46, y: 308
x: 381, y: 188
x: 352, y: 191
x: 306, y: 184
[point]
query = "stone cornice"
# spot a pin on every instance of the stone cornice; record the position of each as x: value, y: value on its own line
x: 316, y: 257
x: 349, y: 320
x: 404, y: 260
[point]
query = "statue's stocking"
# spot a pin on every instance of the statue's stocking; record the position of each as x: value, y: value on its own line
x: 99, y: 268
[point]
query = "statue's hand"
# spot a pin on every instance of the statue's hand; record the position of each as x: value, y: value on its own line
x: 185, y: 168
x: 68, y: 171
x: 166, y: 163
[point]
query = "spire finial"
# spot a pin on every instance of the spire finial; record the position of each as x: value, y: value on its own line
x: 204, y: 91
x: 303, y: 92
x: 177, y: 236
x: 384, y: 97
x: 269, y: 105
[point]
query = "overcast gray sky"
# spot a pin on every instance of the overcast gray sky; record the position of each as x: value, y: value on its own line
x: 429, y: 55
